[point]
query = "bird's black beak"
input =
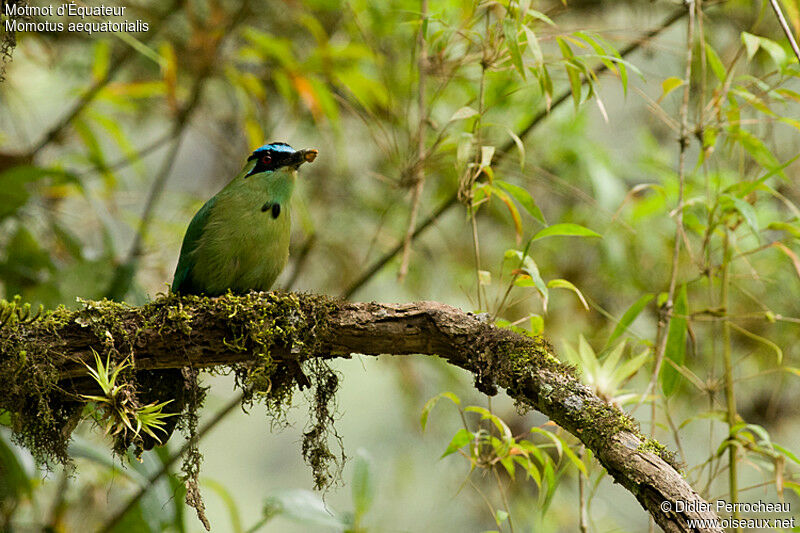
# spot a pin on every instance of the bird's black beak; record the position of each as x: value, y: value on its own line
x: 306, y: 155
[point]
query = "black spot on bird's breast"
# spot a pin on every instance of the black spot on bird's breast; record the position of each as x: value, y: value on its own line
x: 274, y: 208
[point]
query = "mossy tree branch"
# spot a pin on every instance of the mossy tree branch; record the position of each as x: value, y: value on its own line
x: 279, y: 332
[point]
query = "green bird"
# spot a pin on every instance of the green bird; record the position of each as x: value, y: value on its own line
x: 238, y: 241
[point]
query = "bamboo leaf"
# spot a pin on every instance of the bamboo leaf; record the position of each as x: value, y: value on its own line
x: 564, y: 284
x: 758, y: 338
x: 464, y: 112
x: 512, y: 41
x: 790, y: 254
x: 715, y: 63
x: 565, y: 230
x: 511, y: 209
x: 669, y: 85
x: 751, y: 44
x: 430, y: 404
x: 629, y: 316
x: 676, y: 344
x: 524, y: 198
x: 459, y: 440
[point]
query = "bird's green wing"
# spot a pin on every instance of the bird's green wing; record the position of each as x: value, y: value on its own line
x: 183, y: 281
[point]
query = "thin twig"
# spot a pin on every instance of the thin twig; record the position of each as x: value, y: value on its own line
x: 499, y: 155
x: 125, y: 272
x: 87, y: 97
x: 130, y: 159
x: 666, y: 312
x: 419, y: 170
x: 503, y: 497
x: 225, y: 411
x: 730, y: 397
x: 583, y: 523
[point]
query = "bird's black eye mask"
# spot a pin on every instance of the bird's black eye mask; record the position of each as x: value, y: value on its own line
x: 268, y: 160
x: 276, y: 155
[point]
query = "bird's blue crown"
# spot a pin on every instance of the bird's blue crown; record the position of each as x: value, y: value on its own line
x: 272, y: 147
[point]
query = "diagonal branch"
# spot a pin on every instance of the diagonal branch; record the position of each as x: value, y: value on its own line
x: 126, y: 271
x: 87, y: 97
x: 378, y: 265
x: 293, y: 329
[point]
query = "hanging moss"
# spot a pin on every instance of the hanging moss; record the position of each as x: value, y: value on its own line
x: 45, y: 410
x: 277, y: 336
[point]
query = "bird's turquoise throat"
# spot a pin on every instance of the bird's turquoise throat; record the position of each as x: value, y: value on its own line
x: 239, y: 240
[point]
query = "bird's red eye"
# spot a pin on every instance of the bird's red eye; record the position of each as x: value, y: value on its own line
x: 266, y: 160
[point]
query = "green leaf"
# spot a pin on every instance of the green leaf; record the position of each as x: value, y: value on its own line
x: 512, y: 209
x: 575, y: 460
x: 676, y: 344
x: 510, y: 32
x: 744, y: 209
x: 565, y: 230
x: 546, y: 85
x: 757, y: 149
x: 501, y: 426
x: 715, y: 63
x: 574, y: 75
x: 754, y: 101
x: 751, y: 44
x: 363, y: 485
x: 234, y: 516
x: 528, y: 267
x: 101, y: 60
x: 16, y: 180
x: 601, y: 52
x: 537, y: 324
x: 629, y: 368
x: 564, y: 284
x: 462, y: 113
x: 524, y: 198
x: 612, y: 358
x: 430, y: 404
x: 562, y: 448
x: 573, y: 70
x: 17, y: 482
x: 487, y: 154
x: 533, y: 42
x: 460, y: 439
x: 791, y: 229
x: 775, y: 51
x: 787, y: 453
x: 530, y: 468
x: 622, y: 64
x: 669, y: 85
x: 541, y: 16
x: 758, y: 338
x: 628, y: 317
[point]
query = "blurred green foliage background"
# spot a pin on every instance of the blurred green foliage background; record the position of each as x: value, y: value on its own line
x: 529, y: 118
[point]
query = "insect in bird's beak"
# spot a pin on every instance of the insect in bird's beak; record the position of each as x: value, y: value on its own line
x: 306, y: 155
